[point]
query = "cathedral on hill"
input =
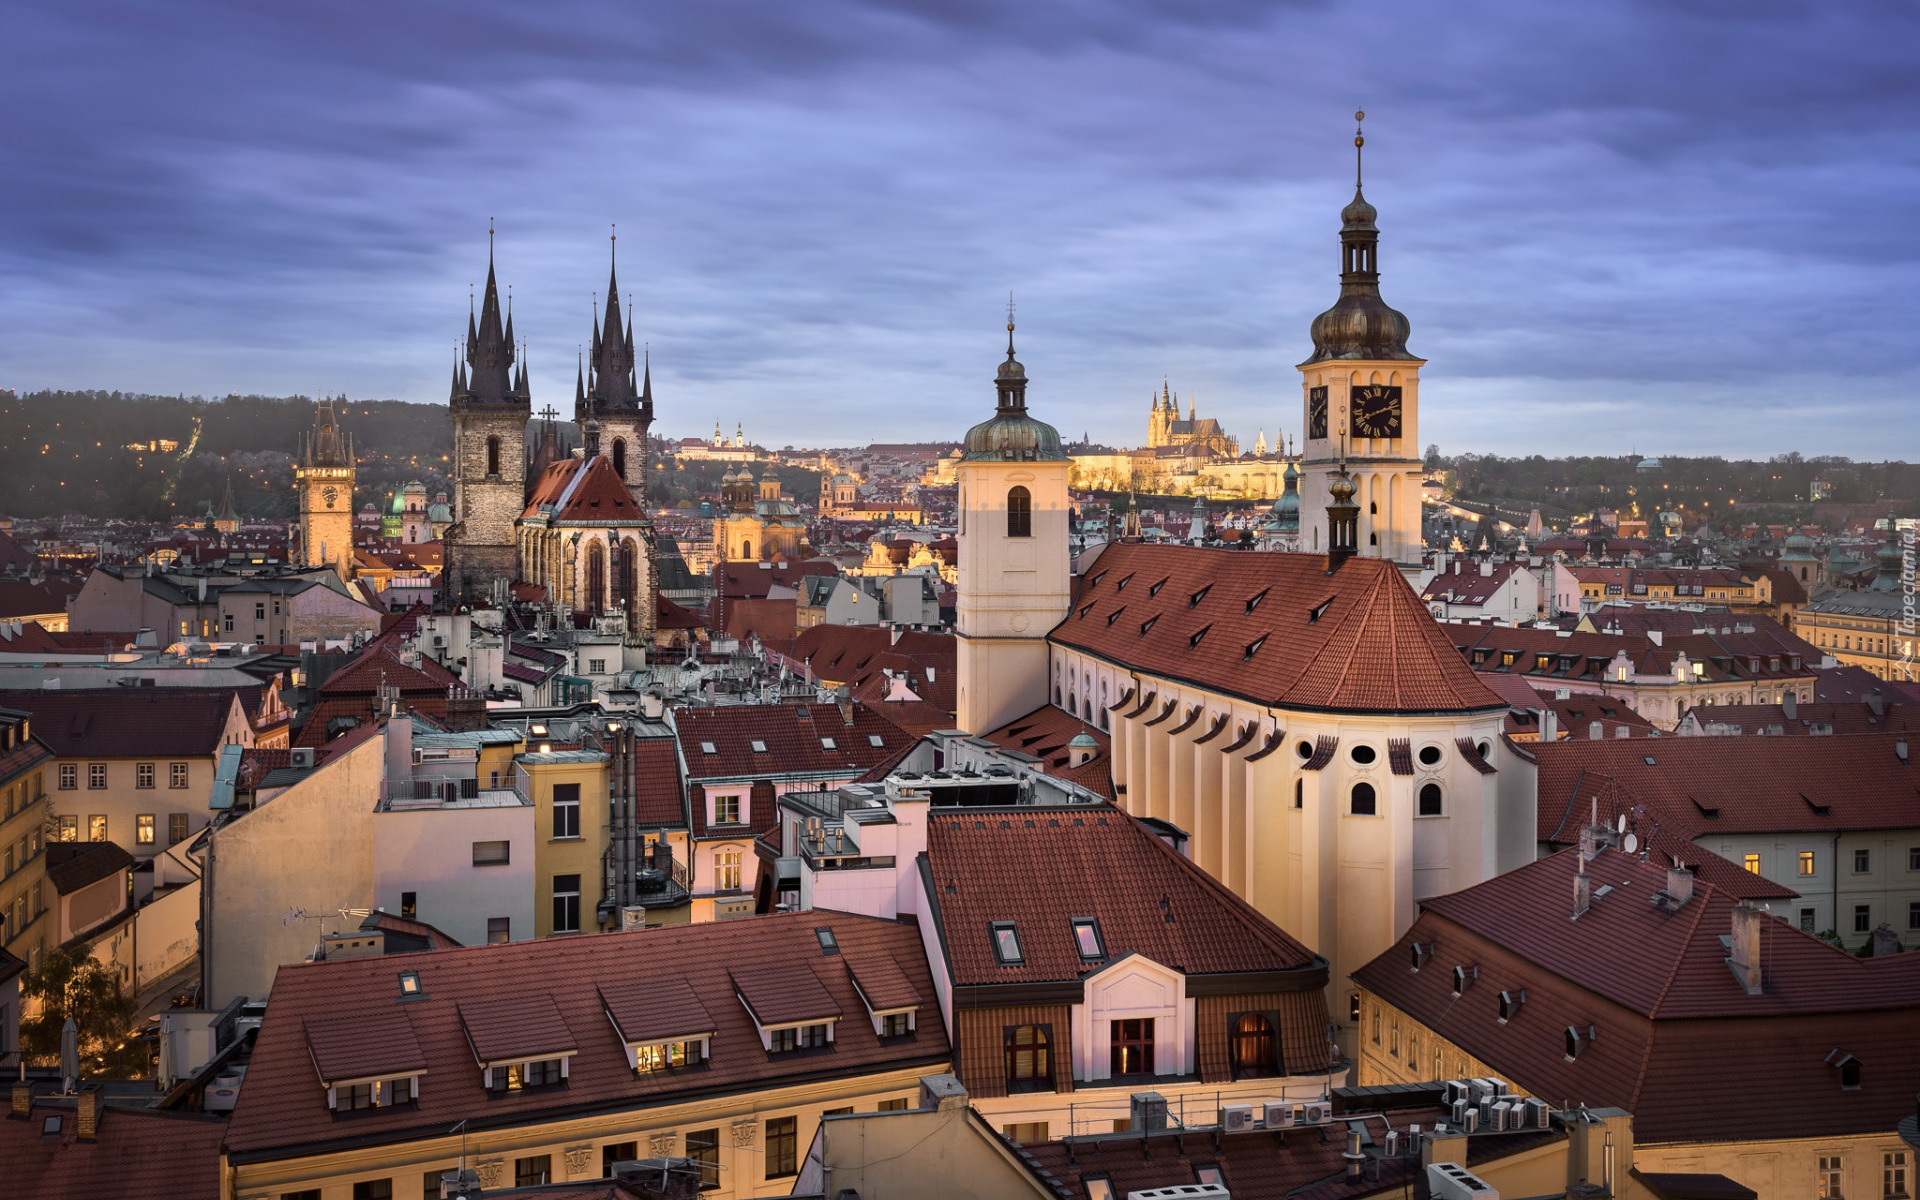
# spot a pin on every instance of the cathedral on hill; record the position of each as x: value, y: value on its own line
x: 1165, y: 428
x: 572, y: 526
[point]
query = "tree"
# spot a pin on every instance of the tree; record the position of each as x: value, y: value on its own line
x: 71, y: 983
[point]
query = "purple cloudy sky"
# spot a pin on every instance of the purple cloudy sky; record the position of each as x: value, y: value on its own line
x: 1670, y: 226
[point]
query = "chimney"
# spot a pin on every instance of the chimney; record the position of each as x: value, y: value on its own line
x: 1582, y: 890
x: 1655, y: 636
x: 1877, y: 703
x: 87, y: 1113
x: 1486, y: 567
x: 1900, y: 749
x: 1790, y: 705
x: 1596, y: 731
x: 22, y: 1100
x: 1745, y: 959
x: 1353, y: 1156
x: 1679, y: 884
x: 1885, y: 941
x: 1549, y: 725
x: 843, y: 696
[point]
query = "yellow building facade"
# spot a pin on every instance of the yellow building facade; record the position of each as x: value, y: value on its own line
x: 570, y: 825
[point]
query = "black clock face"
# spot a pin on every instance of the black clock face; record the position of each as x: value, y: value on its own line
x: 1376, y: 411
x: 1317, y: 412
x: 330, y: 494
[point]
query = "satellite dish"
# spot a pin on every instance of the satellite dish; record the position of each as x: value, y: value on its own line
x: 1631, y: 843
x: 1621, y: 824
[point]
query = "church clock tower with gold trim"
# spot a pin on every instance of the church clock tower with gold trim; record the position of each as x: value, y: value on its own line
x: 1361, y: 403
x: 324, y: 479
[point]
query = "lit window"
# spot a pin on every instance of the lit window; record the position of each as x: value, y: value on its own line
x: 1806, y: 862
x: 726, y: 871
x: 1831, y: 1173
x: 726, y: 810
x: 1086, y: 936
x: 143, y: 829
x: 1751, y: 862
x: 1006, y: 943
x: 409, y: 983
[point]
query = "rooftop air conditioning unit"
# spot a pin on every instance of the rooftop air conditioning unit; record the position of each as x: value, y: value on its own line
x: 1236, y: 1118
x: 301, y: 756
x: 1471, y: 1123
x: 1453, y: 1091
x: 1503, y: 1116
x: 1316, y: 1112
x: 1391, y: 1144
x: 1185, y: 1191
x: 1458, y: 1111
x: 1450, y: 1181
x: 1278, y: 1114
x: 1481, y: 1089
x: 1538, y: 1113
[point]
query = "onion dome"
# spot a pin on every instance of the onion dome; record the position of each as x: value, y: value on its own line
x: 1284, y: 516
x: 1011, y: 435
x: 1360, y: 325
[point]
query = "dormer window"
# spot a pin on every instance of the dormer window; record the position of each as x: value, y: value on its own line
x: 800, y: 1037
x: 1086, y: 938
x: 1510, y: 1003
x: 518, y: 1076
x: 792, y: 1009
x: 663, y: 1025
x: 1463, y: 978
x: 366, y: 1061
x: 1421, y: 954
x: 1577, y: 1040
x: 1849, y: 1068
x: 519, y: 1042
x: 1006, y: 944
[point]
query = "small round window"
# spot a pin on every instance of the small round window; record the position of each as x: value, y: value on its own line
x: 1362, y: 755
x: 1429, y: 756
x: 1304, y: 750
x: 1486, y: 751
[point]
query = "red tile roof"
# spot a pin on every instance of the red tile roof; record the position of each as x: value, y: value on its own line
x: 136, y: 1155
x: 1466, y: 585
x: 660, y: 1010
x: 522, y: 1025
x: 282, y: 1106
x: 1275, y: 629
x: 73, y: 865
x: 657, y: 799
x: 363, y: 1045
x: 119, y: 722
x: 1841, y: 718
x: 379, y: 666
x: 1045, y: 732
x: 1040, y: 868
x: 786, y: 994
x: 1695, y: 787
x: 583, y: 491
x: 1665, y: 1009
x: 794, y: 736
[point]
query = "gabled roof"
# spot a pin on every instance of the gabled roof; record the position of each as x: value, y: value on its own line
x: 583, y: 491
x: 657, y: 797
x: 73, y: 865
x: 1653, y: 984
x: 282, y: 1107
x: 794, y: 737
x: 1041, y: 868
x: 122, y: 722
x: 379, y: 666
x: 1695, y: 787
x: 1273, y: 628
x: 137, y: 1154
x: 1841, y: 718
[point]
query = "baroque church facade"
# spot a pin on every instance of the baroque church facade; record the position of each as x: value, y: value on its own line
x: 1299, y: 715
x: 574, y: 526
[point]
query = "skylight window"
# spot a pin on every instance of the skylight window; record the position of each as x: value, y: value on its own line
x: 1319, y: 610
x: 1254, y: 600
x: 876, y: 741
x: 827, y: 744
x: 1155, y: 589
x: 827, y: 943
x: 708, y: 748
x: 1095, y: 581
x: 1086, y: 938
x: 1146, y: 626
x: 1253, y: 647
x: 1194, y: 600
x: 410, y: 985
x: 1122, y: 585
x: 757, y: 746
x: 1006, y: 943
x: 1193, y: 642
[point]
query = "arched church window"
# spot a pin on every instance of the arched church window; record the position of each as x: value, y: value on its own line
x: 620, y: 457
x: 1019, y: 512
x: 746, y: 548
x: 1430, y: 800
x: 493, y: 456
x: 1252, y: 1046
x: 596, y: 577
x: 1364, y: 804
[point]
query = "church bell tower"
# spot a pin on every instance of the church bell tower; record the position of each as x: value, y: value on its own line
x: 491, y: 407
x: 1361, y: 404
x: 324, y: 478
x: 621, y: 398
x: 1014, y: 585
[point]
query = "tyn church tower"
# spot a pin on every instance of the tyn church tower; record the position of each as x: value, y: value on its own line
x: 1361, y: 403
x: 491, y: 407
x: 620, y: 401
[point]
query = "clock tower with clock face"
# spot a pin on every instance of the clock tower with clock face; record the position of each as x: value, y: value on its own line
x: 1361, y: 398
x: 324, y: 479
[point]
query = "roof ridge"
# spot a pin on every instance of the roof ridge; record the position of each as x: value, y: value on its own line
x: 1705, y: 894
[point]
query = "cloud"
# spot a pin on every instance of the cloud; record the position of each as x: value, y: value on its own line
x: 1675, y: 227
